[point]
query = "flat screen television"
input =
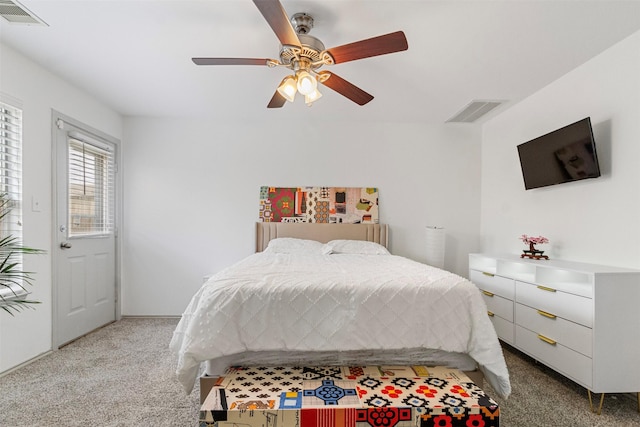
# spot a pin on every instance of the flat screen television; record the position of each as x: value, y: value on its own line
x: 564, y: 155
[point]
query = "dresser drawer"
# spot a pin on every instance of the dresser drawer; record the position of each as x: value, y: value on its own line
x: 573, y: 335
x: 495, y: 284
x: 497, y: 305
x: 570, y: 307
x: 570, y: 363
x: 504, y: 329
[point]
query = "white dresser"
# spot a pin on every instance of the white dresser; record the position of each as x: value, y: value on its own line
x: 582, y: 320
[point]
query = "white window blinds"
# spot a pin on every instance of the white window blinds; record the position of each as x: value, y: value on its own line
x: 11, y: 167
x: 91, y: 183
x: 11, y: 199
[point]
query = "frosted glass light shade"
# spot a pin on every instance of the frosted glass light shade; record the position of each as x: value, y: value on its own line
x: 287, y: 88
x: 313, y: 96
x: 307, y: 84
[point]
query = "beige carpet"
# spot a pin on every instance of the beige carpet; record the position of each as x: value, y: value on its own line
x: 123, y: 375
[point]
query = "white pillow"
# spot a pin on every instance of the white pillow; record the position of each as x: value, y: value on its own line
x: 361, y: 247
x: 290, y: 245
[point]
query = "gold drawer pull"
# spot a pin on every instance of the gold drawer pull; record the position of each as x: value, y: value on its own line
x: 490, y: 313
x: 487, y: 293
x: 544, y: 288
x: 547, y: 340
x: 545, y: 314
x: 488, y: 274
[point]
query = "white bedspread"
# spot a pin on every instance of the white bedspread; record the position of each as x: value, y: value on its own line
x: 273, y: 301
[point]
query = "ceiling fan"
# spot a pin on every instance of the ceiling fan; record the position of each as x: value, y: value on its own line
x: 305, y: 54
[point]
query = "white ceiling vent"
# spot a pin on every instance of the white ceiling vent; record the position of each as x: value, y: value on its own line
x: 474, y: 110
x: 16, y: 13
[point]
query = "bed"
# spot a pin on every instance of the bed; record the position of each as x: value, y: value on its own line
x: 330, y: 295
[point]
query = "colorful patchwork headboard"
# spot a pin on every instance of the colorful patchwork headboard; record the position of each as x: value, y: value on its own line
x: 266, y: 231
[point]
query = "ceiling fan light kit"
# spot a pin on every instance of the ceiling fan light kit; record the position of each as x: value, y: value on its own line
x: 305, y: 54
x: 313, y: 96
x: 306, y: 82
x: 288, y: 88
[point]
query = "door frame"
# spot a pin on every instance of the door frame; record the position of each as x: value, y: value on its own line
x: 58, y: 121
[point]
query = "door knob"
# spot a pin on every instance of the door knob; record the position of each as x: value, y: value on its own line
x: 65, y: 245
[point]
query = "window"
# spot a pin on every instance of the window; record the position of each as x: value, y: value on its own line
x: 11, y: 191
x: 11, y: 167
x: 91, y: 175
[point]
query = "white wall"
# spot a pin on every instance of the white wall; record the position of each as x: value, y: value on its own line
x: 192, y: 189
x: 28, y: 334
x: 594, y: 220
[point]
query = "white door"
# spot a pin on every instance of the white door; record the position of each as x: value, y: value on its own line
x: 85, y: 248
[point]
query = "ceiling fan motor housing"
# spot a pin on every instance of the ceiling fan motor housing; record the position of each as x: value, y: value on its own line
x: 310, y: 48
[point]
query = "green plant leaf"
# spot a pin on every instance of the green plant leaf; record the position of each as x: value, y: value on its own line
x: 11, y: 275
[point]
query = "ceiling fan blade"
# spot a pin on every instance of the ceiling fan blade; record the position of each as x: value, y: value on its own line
x: 278, y: 20
x: 230, y: 61
x: 277, y: 101
x: 381, y: 45
x: 344, y: 88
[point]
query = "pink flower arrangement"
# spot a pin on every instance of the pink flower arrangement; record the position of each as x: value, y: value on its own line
x: 533, y: 240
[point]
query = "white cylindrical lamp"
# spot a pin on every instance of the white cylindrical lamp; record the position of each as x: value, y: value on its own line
x: 435, y: 246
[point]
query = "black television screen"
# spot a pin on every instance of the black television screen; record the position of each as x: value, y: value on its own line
x: 566, y: 154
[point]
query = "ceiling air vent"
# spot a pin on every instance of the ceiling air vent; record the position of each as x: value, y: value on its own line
x: 16, y: 13
x: 473, y: 111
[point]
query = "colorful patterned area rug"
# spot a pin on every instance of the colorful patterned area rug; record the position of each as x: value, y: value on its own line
x: 389, y: 396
